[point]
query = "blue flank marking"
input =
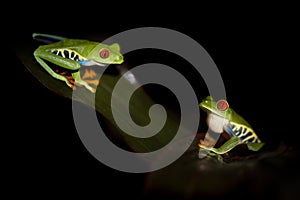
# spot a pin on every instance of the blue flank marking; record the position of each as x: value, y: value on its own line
x: 247, y: 135
x: 251, y: 139
x: 241, y: 133
x: 228, y: 129
x: 82, y: 62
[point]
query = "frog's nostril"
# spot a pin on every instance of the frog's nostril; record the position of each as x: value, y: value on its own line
x: 119, y: 58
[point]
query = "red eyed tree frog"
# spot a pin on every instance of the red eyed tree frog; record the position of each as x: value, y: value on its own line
x: 222, y: 118
x: 71, y: 54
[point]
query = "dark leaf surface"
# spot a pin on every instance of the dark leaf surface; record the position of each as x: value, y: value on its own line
x: 269, y: 173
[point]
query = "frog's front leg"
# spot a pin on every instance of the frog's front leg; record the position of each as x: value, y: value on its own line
x: 227, y: 146
x: 41, y: 54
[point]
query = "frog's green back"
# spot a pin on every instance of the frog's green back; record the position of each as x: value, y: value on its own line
x: 239, y: 119
x: 83, y: 47
x: 56, y: 42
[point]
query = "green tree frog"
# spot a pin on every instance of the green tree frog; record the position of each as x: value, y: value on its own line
x: 71, y: 54
x: 222, y: 118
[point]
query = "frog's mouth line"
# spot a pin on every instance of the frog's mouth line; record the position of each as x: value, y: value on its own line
x: 208, y: 111
x: 93, y: 63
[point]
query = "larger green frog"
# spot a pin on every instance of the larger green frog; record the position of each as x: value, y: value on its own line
x: 222, y: 118
x: 71, y: 54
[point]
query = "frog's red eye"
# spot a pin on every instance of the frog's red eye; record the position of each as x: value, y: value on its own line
x: 222, y: 105
x: 104, y: 53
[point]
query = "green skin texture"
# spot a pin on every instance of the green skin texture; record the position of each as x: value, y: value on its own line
x: 89, y: 50
x: 209, y: 105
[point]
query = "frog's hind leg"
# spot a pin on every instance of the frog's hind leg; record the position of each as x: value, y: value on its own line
x: 50, y: 71
x: 47, y: 38
x: 227, y: 146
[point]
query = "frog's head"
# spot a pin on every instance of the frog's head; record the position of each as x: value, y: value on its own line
x: 219, y: 113
x: 107, y: 54
x: 220, y: 108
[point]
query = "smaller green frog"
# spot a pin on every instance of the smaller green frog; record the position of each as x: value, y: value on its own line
x: 222, y: 118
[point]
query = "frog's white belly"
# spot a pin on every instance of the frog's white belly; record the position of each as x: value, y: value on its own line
x: 216, y: 122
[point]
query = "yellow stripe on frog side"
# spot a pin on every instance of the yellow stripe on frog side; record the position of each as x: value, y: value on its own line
x: 245, y: 133
x: 69, y: 54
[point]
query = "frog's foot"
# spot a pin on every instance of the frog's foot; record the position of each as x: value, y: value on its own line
x: 206, y: 152
x: 80, y: 82
x: 255, y: 146
x: 93, y: 82
x: 66, y: 77
x: 88, y: 74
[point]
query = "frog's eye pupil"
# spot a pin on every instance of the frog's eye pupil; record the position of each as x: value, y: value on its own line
x: 222, y: 105
x: 104, y: 53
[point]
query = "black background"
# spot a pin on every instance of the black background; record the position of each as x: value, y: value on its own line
x: 253, y: 47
